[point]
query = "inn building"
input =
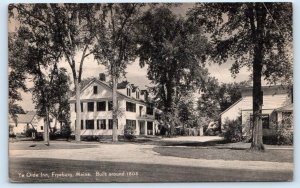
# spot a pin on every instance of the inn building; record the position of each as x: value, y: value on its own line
x: 96, y: 109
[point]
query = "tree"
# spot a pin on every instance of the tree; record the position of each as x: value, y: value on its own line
x: 256, y: 35
x: 67, y: 29
x: 116, y: 45
x: 17, y: 73
x: 216, y: 97
x: 174, y: 52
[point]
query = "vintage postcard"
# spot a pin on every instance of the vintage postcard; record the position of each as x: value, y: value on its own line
x: 141, y: 92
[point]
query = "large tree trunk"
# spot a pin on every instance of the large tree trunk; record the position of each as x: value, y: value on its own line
x: 46, y: 128
x: 78, y: 112
x: 115, y: 109
x: 257, y: 133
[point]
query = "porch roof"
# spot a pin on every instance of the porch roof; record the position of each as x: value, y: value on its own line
x: 287, y: 108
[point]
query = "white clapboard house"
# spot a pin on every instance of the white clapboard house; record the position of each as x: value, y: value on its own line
x: 30, y: 120
x: 277, y: 107
x: 96, y: 109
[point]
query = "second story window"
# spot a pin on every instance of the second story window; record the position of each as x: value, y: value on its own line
x: 90, y: 106
x: 95, y: 90
x: 149, y: 110
x: 138, y: 95
x: 128, y: 92
x: 130, y: 107
x: 101, y: 106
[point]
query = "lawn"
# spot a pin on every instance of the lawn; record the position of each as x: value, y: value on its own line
x: 226, y: 154
x: 51, y: 168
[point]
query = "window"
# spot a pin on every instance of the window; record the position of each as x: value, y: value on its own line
x: 265, y: 121
x: 42, y: 128
x: 110, y: 124
x: 137, y: 95
x: 89, y: 124
x: 95, y: 90
x: 130, y: 107
x: 131, y: 123
x: 128, y: 92
x: 149, y: 110
x: 141, y: 109
x: 101, y: 106
x: 101, y: 124
x: 90, y: 106
x: 110, y: 105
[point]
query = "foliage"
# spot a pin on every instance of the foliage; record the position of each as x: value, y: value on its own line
x: 255, y: 35
x: 233, y: 130
x: 218, y: 97
x: 129, y: 131
x: 285, y: 131
x: 59, y: 30
x: 174, y: 52
x: 116, y: 44
x: 17, y: 73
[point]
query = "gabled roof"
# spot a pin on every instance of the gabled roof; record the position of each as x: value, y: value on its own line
x: 26, y: 118
x: 108, y: 87
x: 231, y: 106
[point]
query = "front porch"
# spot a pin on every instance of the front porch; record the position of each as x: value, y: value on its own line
x: 146, y: 127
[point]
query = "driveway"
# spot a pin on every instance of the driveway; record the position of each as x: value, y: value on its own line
x: 144, y: 154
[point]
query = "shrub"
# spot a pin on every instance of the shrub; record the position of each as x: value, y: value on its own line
x: 89, y: 138
x: 284, y: 131
x: 66, y: 131
x: 129, y: 132
x: 233, y: 130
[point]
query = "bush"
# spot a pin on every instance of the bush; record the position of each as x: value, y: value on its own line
x: 129, y: 132
x: 89, y: 138
x: 284, y: 131
x: 233, y: 130
x: 66, y: 131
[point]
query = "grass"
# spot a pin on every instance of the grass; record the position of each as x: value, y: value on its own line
x: 146, y: 172
x: 226, y: 154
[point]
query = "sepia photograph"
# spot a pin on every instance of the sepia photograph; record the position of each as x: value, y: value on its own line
x: 150, y: 92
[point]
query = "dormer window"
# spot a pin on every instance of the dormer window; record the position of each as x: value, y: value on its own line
x: 128, y: 92
x: 138, y: 95
x: 95, y: 90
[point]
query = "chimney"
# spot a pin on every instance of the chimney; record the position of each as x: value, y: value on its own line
x: 102, y: 77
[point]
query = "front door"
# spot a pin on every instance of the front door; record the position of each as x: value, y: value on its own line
x: 142, y: 127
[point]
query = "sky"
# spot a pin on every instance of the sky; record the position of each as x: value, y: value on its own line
x: 136, y: 74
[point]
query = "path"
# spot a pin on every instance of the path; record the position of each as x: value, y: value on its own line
x: 135, y: 153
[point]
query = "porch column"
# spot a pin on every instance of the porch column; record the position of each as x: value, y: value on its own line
x: 95, y: 124
x: 146, y: 128
x: 137, y: 127
x: 153, y: 128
